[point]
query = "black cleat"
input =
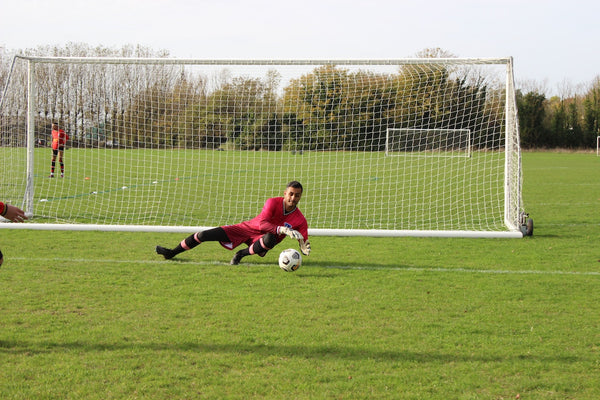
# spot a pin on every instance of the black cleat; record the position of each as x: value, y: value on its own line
x: 236, y: 259
x: 166, y: 253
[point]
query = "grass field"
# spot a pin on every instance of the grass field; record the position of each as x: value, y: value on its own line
x: 92, y: 315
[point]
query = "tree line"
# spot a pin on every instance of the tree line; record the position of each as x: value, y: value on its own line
x: 571, y: 122
x: 166, y: 106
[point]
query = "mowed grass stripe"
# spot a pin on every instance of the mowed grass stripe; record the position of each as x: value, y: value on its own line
x: 304, y: 266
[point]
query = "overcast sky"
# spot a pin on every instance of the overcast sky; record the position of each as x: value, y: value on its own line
x: 555, y: 44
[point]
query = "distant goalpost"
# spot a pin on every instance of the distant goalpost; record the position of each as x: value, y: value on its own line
x: 422, y: 142
x: 402, y: 147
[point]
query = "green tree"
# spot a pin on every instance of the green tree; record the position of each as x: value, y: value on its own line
x: 315, y: 99
x: 240, y: 109
x: 591, y: 114
x: 558, y: 123
x: 574, y: 137
x: 532, y: 113
x: 343, y: 110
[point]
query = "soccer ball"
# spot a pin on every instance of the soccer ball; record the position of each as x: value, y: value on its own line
x: 290, y: 260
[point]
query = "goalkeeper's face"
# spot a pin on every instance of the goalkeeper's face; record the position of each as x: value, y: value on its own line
x: 291, y: 197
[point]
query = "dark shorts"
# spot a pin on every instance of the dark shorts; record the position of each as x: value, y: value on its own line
x: 241, y: 233
x: 55, y: 151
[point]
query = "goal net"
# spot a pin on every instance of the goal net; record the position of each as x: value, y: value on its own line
x: 180, y: 145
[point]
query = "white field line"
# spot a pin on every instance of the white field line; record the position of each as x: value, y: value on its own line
x: 174, y: 263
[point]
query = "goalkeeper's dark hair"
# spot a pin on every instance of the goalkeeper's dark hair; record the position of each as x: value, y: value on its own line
x: 295, y: 185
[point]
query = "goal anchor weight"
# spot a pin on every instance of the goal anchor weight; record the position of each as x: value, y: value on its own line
x: 526, y: 224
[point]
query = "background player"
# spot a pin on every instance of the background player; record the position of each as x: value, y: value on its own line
x: 59, y: 139
x: 279, y: 217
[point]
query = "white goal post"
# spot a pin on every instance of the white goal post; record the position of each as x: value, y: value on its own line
x: 178, y: 145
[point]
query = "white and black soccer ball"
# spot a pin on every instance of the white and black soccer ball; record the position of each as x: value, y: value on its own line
x: 290, y: 260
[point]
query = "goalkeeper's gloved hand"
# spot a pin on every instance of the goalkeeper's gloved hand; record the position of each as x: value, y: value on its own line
x: 304, y: 247
x: 294, y: 234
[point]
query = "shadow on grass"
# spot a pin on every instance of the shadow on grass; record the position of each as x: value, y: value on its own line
x: 316, y: 352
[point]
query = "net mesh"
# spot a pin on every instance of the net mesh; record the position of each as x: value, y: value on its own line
x: 204, y: 143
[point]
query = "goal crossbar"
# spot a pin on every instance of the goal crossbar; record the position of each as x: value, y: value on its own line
x: 195, y: 61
